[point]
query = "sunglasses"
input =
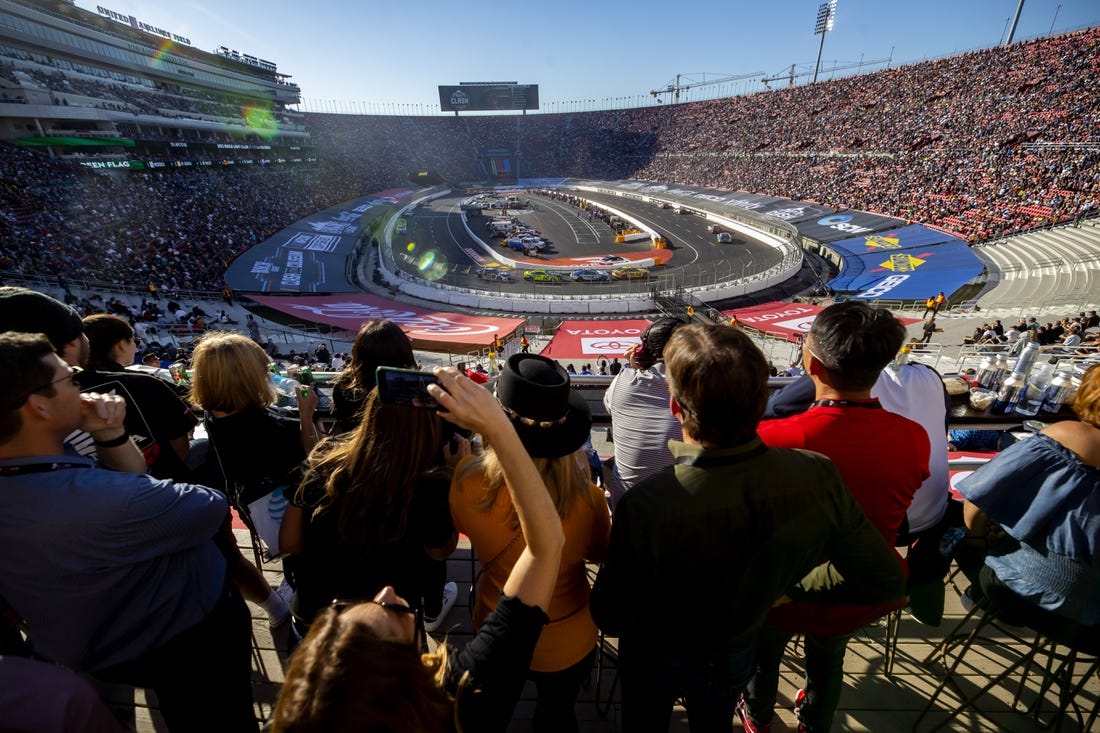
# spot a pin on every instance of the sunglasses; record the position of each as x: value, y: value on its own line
x: 71, y: 377
x: 342, y: 604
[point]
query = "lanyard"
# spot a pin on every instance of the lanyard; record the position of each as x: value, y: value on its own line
x: 871, y: 405
x: 39, y: 468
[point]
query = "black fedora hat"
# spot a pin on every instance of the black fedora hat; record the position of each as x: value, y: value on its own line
x: 551, y: 418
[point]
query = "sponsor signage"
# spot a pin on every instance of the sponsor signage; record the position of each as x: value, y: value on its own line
x: 586, y: 339
x: 141, y: 26
x: 310, y: 256
x: 911, y: 273
x: 425, y: 328
x: 787, y: 319
x: 488, y: 97
x: 892, y: 240
x: 838, y: 226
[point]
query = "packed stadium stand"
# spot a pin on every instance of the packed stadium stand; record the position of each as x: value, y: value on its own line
x: 982, y: 144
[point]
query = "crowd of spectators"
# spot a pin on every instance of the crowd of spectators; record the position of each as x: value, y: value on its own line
x: 981, y: 143
x: 984, y: 143
x: 174, y: 230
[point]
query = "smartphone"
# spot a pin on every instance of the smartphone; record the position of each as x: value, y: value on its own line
x: 405, y: 387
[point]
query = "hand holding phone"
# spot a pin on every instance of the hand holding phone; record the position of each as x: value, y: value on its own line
x: 407, y: 387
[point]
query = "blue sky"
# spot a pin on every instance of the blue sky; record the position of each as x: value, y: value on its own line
x: 356, y: 55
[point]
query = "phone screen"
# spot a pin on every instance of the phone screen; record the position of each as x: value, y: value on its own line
x: 406, y: 387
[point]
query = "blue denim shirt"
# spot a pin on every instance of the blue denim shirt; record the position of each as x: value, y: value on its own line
x: 105, y: 566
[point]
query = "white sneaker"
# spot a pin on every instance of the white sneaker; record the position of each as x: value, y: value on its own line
x: 450, y: 595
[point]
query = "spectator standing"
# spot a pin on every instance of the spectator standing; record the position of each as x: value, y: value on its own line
x: 553, y: 423
x: 733, y: 526
x: 334, y: 679
x: 637, y: 401
x: 844, y: 353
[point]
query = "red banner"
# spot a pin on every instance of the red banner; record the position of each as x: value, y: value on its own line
x: 426, y: 329
x: 787, y: 319
x: 594, y: 339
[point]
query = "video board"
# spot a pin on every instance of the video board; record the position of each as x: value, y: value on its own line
x: 488, y: 97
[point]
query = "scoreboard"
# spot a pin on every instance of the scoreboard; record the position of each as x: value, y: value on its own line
x: 488, y: 97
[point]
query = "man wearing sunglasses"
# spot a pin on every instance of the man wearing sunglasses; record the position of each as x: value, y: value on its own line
x: 115, y: 573
x: 28, y: 311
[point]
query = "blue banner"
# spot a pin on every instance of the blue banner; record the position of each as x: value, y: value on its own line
x: 890, y: 241
x: 908, y: 273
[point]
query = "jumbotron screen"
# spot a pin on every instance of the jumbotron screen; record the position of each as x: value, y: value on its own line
x: 488, y: 97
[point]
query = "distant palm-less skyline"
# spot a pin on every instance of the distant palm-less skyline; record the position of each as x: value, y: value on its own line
x: 374, y: 57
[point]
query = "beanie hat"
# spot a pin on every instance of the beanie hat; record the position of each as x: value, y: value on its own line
x: 28, y: 311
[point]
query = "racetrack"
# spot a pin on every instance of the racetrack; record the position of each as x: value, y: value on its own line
x: 438, y: 247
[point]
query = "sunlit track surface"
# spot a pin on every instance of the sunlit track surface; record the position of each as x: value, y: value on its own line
x: 437, y: 247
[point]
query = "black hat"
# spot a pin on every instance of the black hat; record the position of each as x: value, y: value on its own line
x: 551, y: 418
x: 29, y: 311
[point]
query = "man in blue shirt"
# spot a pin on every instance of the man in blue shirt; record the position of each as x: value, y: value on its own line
x: 116, y: 574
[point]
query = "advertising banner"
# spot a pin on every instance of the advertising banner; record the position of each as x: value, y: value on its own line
x: 311, y: 255
x: 428, y: 330
x: 845, y: 225
x: 594, y: 339
x: 895, y: 239
x: 908, y: 274
x: 788, y: 319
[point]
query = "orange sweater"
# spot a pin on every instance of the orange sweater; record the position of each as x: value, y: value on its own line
x: 571, y: 633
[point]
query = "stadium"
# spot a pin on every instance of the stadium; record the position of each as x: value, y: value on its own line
x: 185, y: 190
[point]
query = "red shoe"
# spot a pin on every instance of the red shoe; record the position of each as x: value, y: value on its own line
x: 746, y: 721
x: 799, y: 701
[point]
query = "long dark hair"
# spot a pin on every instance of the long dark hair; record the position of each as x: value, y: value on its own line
x: 378, y: 343
x: 369, y: 474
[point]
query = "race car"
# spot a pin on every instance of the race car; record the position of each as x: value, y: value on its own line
x: 589, y: 275
x: 541, y: 276
x: 611, y: 259
x: 494, y: 273
x: 723, y: 237
x: 629, y: 273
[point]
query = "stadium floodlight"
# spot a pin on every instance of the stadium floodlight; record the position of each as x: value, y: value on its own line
x: 826, y: 14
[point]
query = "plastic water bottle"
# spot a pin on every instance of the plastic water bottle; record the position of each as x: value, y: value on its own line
x: 285, y: 385
x: 1057, y: 392
x: 1002, y: 372
x: 1009, y: 395
x: 1035, y: 392
x: 987, y: 373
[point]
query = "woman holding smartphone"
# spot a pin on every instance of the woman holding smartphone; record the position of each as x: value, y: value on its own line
x: 553, y: 423
x: 371, y: 511
x: 361, y: 664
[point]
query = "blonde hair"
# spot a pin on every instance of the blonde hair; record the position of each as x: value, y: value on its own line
x: 1086, y: 403
x: 567, y: 478
x: 230, y: 374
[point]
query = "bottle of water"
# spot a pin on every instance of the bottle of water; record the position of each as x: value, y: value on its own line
x: 1035, y: 392
x: 1008, y: 397
x: 1057, y: 392
x: 1002, y: 372
x: 987, y: 373
x: 1027, y: 358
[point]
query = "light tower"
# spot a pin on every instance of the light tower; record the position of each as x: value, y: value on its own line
x: 826, y: 14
